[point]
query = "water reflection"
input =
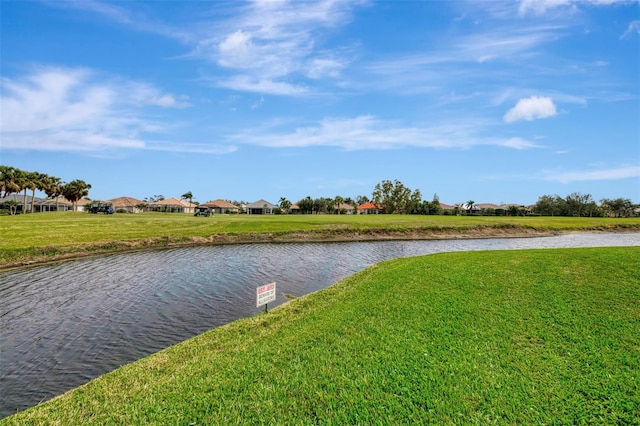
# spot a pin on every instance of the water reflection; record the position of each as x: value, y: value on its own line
x: 67, y: 323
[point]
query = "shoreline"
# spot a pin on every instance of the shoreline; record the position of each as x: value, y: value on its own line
x: 53, y: 254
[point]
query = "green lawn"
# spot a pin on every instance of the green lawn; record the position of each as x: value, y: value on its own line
x: 507, y: 337
x: 44, y: 236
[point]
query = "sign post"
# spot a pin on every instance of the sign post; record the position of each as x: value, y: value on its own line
x: 265, y: 294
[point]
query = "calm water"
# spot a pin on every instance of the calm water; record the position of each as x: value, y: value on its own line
x: 62, y: 325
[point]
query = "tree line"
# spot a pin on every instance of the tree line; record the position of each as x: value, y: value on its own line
x: 15, y: 181
x: 393, y: 197
x: 389, y: 197
x: 577, y: 204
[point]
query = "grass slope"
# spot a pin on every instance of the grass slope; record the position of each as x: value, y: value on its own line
x: 517, y: 337
x: 49, y: 236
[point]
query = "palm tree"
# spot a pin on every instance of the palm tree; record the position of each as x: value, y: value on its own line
x: 53, y: 188
x: 154, y: 198
x: 187, y: 196
x: 285, y: 204
x: 37, y: 182
x: 8, y: 181
x: 338, y: 200
x: 22, y: 179
x: 75, y: 190
x: 470, y: 204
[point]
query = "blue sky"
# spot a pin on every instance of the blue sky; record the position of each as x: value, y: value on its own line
x: 496, y: 102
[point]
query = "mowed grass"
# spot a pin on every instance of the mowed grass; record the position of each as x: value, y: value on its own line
x: 45, y: 235
x: 506, y: 337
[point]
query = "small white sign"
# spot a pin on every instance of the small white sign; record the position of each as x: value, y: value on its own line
x: 265, y: 294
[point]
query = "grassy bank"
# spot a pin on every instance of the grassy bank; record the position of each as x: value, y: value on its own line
x: 517, y: 337
x: 49, y: 236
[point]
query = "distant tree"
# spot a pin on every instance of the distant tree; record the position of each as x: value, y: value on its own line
x: 13, y: 206
x: 620, y: 207
x: 9, y: 181
x: 415, y: 203
x: 75, y: 190
x: 25, y: 183
x: 38, y: 182
x: 362, y: 199
x: 577, y: 203
x: 322, y: 205
x: 434, y: 205
x: 338, y: 200
x: 53, y: 188
x: 285, y: 204
x: 154, y: 198
x: 546, y: 206
x: 393, y: 196
x: 306, y: 205
x: 187, y: 196
x: 469, y: 206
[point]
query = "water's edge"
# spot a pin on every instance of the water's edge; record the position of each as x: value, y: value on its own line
x: 65, y: 323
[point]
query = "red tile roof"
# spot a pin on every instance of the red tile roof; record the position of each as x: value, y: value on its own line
x: 369, y: 206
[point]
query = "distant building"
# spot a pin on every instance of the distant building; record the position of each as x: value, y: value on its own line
x: 172, y: 205
x: 260, y: 207
x: 370, y: 208
x: 126, y: 204
x: 218, y: 207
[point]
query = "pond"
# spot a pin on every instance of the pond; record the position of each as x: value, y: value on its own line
x: 66, y: 323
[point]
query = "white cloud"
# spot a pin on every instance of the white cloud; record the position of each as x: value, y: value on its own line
x: 247, y: 83
x: 632, y: 29
x: 539, y: 7
x: 324, y: 67
x: 532, y: 108
x: 194, y: 148
x: 237, y: 51
x: 144, y: 94
x: 624, y: 172
x: 369, y: 133
x: 65, y: 109
x: 270, y: 42
x: 519, y: 143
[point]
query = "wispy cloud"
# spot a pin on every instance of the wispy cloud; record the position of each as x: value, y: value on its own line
x: 470, y: 61
x: 632, y: 29
x: 122, y: 15
x: 532, y: 108
x: 540, y: 7
x: 267, y: 45
x: 193, y: 148
x: 246, y: 83
x: 71, y: 109
x: 370, y: 133
x: 624, y: 172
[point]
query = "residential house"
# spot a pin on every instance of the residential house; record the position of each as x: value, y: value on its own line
x: 260, y: 207
x: 218, y: 207
x: 60, y: 204
x: 294, y: 209
x: 343, y: 208
x: 126, y: 204
x: 447, y: 207
x: 41, y: 204
x: 370, y: 208
x: 172, y: 205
